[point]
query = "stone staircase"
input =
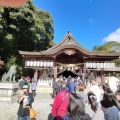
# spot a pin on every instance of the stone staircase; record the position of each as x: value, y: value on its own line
x: 44, y: 89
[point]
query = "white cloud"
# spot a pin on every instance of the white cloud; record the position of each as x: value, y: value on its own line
x: 114, y: 36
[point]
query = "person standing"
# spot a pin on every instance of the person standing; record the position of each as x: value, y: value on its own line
x: 25, y: 102
x: 81, y: 92
x: 22, y: 82
x: 33, y: 88
x: 95, y: 90
x: 110, y: 104
x: 93, y: 109
x: 55, y: 87
x: 72, y: 86
x: 59, y: 107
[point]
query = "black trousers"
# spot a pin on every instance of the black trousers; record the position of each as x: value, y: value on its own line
x: 34, y: 93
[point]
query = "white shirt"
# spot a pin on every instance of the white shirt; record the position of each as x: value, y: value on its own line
x: 96, y: 90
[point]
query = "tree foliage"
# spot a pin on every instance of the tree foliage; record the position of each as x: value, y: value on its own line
x: 109, y: 47
x: 25, y: 28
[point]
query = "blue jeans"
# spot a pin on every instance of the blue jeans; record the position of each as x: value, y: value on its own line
x: 23, y: 118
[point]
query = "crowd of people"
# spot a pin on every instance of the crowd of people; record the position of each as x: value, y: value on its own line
x: 72, y: 103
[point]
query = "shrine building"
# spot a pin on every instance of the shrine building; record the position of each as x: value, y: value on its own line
x: 70, y: 58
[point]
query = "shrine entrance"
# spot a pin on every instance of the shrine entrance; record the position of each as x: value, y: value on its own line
x: 69, y: 58
x: 67, y: 73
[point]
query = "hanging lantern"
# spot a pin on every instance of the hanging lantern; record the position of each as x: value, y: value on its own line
x: 68, y: 68
x: 94, y: 65
x: 76, y: 68
x: 12, y: 3
x: 38, y: 63
x: 48, y: 64
x: 44, y: 64
x: 61, y: 67
x: 31, y: 63
x: 34, y: 63
x: 108, y: 65
x: 105, y: 65
x: 41, y: 63
x: 28, y: 63
x: 91, y: 65
x: 98, y: 65
x: 51, y: 64
x: 112, y: 65
x: 87, y: 65
x: 101, y: 65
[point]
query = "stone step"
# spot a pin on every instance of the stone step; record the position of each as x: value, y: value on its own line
x: 44, y: 90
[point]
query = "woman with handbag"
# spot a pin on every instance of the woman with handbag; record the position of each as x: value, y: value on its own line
x: 59, y: 106
x: 25, y: 102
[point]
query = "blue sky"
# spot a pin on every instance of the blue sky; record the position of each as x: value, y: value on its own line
x: 91, y: 22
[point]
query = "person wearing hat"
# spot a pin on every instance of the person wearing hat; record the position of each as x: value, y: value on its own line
x: 26, y: 89
x: 25, y: 102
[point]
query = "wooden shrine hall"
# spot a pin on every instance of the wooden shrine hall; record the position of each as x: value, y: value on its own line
x: 69, y: 58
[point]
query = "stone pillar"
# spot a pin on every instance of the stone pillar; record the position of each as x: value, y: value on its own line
x: 102, y: 77
x: 35, y: 75
x: 55, y: 72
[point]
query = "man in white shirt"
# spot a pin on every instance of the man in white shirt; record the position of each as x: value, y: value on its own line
x: 95, y: 90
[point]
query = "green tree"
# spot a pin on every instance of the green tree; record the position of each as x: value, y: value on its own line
x: 109, y: 47
x: 25, y: 28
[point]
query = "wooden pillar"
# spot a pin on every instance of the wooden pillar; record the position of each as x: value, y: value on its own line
x: 102, y: 77
x: 55, y: 72
x: 83, y: 73
x: 35, y: 75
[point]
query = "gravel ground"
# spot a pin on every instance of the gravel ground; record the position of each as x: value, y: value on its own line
x: 41, y: 105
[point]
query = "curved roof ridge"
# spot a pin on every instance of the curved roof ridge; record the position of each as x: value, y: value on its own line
x: 66, y: 39
x: 80, y: 44
x: 57, y: 45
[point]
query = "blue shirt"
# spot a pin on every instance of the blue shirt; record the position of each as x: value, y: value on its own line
x: 72, y: 87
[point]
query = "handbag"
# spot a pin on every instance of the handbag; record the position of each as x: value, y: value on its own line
x: 32, y: 113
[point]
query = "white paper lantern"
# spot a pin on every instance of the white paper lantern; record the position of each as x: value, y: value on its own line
x: 94, y: 65
x: 28, y: 63
x: 98, y: 65
x: 51, y: 64
x: 112, y: 65
x: 41, y: 63
x: 38, y: 63
x: 34, y: 63
x: 101, y: 65
x: 31, y: 63
x: 44, y: 64
x: 105, y: 65
x: 108, y: 65
x: 48, y: 64
x: 87, y: 65
x: 91, y: 65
